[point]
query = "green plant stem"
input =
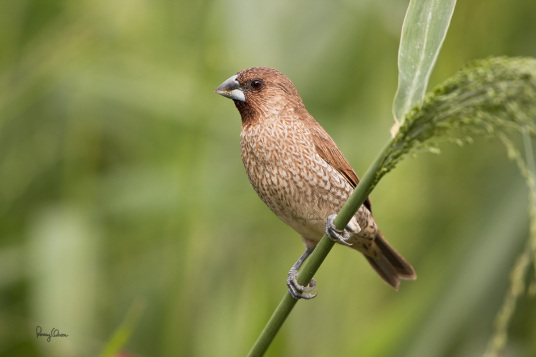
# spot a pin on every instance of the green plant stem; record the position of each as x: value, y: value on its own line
x: 311, y: 266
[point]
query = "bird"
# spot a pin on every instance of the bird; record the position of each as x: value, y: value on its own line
x: 302, y: 176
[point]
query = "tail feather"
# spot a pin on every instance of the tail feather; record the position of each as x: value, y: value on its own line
x: 390, y: 265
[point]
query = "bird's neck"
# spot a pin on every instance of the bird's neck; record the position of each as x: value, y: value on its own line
x: 252, y: 114
x: 247, y: 112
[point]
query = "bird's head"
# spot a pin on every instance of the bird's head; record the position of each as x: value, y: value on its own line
x: 260, y: 91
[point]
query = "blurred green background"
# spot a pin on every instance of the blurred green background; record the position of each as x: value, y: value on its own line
x: 123, y: 199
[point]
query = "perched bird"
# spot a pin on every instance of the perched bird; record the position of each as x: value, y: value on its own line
x: 300, y: 173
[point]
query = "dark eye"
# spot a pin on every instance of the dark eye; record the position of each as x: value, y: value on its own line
x: 256, y: 84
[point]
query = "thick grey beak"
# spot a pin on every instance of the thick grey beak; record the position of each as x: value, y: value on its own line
x: 231, y: 89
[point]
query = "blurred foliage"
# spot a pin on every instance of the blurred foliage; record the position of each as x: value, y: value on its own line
x: 122, y: 188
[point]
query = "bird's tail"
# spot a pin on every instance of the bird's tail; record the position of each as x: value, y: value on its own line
x: 390, y: 265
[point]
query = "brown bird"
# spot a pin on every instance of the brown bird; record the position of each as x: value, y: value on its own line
x: 301, y: 175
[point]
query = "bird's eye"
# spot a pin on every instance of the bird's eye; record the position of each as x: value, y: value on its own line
x: 256, y: 84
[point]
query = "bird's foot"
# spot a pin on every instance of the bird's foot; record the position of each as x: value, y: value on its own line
x: 298, y: 291
x: 339, y: 235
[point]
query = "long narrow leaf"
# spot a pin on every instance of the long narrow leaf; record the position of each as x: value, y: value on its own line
x: 423, y: 32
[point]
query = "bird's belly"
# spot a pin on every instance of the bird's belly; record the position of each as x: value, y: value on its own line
x: 302, y: 193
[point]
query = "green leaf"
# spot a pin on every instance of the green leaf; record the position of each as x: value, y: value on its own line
x: 124, y: 332
x: 423, y: 32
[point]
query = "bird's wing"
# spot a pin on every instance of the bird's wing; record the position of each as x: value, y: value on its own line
x: 328, y: 150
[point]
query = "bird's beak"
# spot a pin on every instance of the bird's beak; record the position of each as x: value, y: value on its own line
x: 231, y: 89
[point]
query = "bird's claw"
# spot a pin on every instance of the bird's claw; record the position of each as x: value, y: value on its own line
x: 298, y: 291
x: 337, y: 235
